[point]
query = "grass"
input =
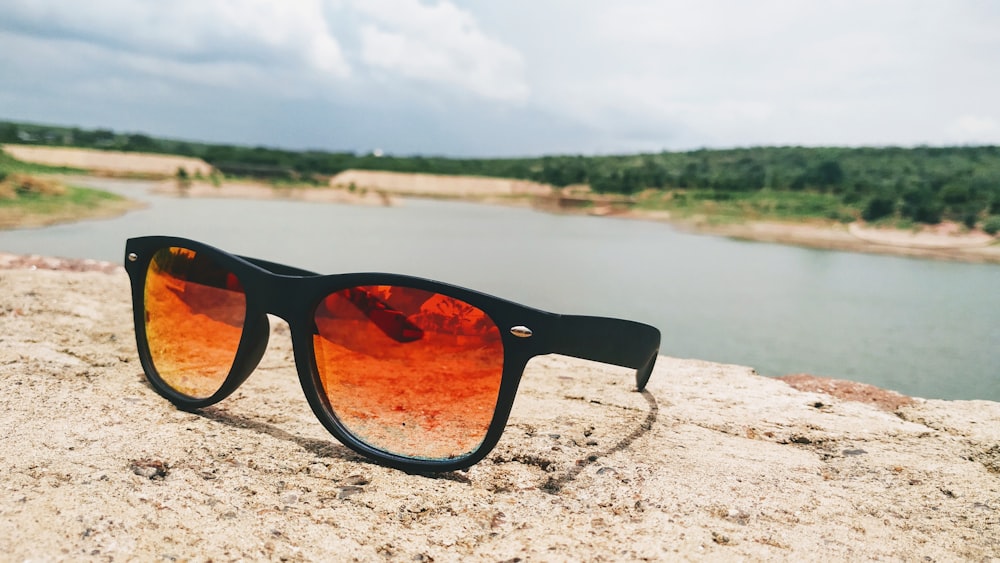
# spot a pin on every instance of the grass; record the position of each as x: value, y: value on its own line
x: 766, y: 205
x: 30, y: 201
x: 36, y: 210
x: 11, y: 165
x: 74, y: 197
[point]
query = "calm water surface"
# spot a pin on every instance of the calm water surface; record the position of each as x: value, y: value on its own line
x: 925, y: 328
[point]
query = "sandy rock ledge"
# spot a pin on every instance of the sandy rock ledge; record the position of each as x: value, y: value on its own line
x: 712, y: 462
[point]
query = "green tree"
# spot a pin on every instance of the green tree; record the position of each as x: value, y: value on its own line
x: 878, y: 206
x: 992, y: 224
x: 8, y: 133
x: 920, y: 205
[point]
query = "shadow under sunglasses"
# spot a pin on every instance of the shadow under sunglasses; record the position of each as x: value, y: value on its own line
x: 327, y: 449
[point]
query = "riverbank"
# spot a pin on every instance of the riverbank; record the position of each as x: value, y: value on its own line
x: 942, y: 242
x: 738, y: 215
x: 28, y: 201
x: 714, y: 461
x: 248, y: 189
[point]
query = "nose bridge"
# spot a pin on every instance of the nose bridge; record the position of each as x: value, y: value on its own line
x: 283, y: 297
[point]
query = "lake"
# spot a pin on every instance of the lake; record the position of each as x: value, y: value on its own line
x: 924, y: 328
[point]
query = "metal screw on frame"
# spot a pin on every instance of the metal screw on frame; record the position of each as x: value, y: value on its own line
x: 521, y: 331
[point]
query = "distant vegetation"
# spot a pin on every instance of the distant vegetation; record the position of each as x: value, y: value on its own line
x: 29, y: 200
x: 918, y: 185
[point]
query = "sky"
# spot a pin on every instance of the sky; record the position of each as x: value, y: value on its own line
x: 510, y: 78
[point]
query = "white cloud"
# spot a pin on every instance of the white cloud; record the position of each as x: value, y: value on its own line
x: 616, y: 76
x: 191, y: 32
x: 439, y: 44
x: 728, y: 72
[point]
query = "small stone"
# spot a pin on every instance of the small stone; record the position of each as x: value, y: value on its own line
x: 150, y: 468
x: 349, y: 491
x: 357, y: 480
x: 720, y: 538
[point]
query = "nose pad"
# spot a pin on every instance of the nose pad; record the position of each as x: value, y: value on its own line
x: 256, y: 335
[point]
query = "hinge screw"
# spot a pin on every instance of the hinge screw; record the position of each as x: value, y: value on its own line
x: 521, y: 331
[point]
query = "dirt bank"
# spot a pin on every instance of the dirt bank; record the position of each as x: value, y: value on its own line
x: 115, y: 162
x: 944, y: 242
x: 947, y: 245
x: 438, y: 185
x: 714, y: 461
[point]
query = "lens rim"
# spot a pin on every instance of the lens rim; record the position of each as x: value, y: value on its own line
x: 495, y: 369
x: 516, y: 354
x: 248, y: 350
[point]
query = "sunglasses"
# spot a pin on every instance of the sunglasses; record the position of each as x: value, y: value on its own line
x: 412, y: 373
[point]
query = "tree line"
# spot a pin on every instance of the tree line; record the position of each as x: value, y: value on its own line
x: 921, y: 184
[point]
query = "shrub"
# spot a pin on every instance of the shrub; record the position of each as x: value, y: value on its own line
x: 842, y: 215
x: 919, y: 204
x: 992, y: 224
x: 878, y: 207
x: 24, y: 185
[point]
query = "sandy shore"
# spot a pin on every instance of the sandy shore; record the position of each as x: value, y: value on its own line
x: 942, y: 242
x: 712, y: 462
x: 947, y: 245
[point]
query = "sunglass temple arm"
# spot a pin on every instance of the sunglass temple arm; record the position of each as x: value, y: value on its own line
x: 611, y: 341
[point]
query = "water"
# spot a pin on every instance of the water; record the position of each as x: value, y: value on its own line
x: 924, y: 328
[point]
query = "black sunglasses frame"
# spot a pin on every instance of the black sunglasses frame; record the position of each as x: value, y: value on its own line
x: 294, y: 294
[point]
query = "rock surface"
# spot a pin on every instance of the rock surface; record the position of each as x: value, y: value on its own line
x: 712, y: 461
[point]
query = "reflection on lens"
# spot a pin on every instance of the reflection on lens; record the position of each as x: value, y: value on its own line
x: 194, y: 318
x: 410, y: 372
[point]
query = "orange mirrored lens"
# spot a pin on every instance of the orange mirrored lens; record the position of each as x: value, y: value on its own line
x: 194, y: 318
x: 410, y: 372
